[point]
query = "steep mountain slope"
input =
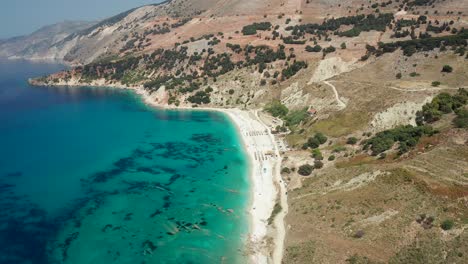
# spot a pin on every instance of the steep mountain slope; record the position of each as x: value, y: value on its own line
x: 38, y: 45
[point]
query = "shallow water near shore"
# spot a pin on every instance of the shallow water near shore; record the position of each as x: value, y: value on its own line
x: 93, y: 175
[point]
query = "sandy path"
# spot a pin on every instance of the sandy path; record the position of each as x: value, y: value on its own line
x: 337, y: 96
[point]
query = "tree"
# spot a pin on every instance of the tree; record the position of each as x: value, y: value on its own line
x: 352, y: 141
x: 461, y: 120
x: 316, y: 48
x: 321, y: 138
x: 317, y: 154
x: 318, y: 164
x: 447, y: 224
x: 305, y: 170
x: 447, y: 68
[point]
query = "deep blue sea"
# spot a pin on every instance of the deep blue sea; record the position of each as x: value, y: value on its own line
x: 93, y: 175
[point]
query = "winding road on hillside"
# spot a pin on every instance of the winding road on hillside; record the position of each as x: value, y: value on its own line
x: 337, y: 96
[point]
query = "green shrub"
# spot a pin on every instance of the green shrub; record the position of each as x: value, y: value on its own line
x: 295, y: 117
x: 398, y: 75
x: 316, y: 48
x: 317, y: 140
x: 317, y: 154
x: 461, y: 120
x: 447, y: 224
x: 293, y: 69
x: 343, y: 45
x: 351, y: 141
x: 329, y: 50
x: 285, y: 170
x: 443, y: 103
x: 331, y: 158
x: 318, y: 164
x: 321, y: 138
x: 408, y: 136
x: 277, y: 109
x: 447, y: 68
x: 305, y: 170
x: 252, y: 29
x: 200, y: 97
x: 339, y: 149
x: 435, y: 83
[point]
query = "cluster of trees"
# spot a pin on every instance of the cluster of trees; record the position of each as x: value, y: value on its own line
x: 200, y: 97
x: 234, y: 47
x: 407, y: 137
x: 277, y: 109
x: 420, y: 3
x: 315, y: 48
x: 461, y: 120
x: 371, y: 22
x: 218, y: 65
x: 315, y: 141
x: 443, y: 103
x: 263, y: 54
x: 305, y: 170
x: 360, y: 23
x: 329, y: 50
x: 291, y: 118
x: 294, y: 68
x: 291, y: 40
x: 410, y: 47
x: 252, y: 29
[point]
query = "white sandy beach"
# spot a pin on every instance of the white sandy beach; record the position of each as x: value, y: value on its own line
x: 265, y: 174
x: 267, y: 185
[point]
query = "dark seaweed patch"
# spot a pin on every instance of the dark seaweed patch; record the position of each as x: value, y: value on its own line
x: 157, y: 212
x: 149, y: 245
x: 15, y: 174
x: 106, y: 227
x: 128, y: 217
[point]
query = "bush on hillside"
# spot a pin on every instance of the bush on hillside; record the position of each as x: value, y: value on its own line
x: 352, y: 141
x: 252, y: 29
x: 317, y: 154
x: 447, y: 224
x: 315, y: 141
x: 318, y: 164
x: 305, y: 170
x: 447, y: 68
x: 461, y: 120
x: 277, y: 109
x: 443, y: 103
x: 407, y: 137
x: 295, y: 117
x: 316, y: 48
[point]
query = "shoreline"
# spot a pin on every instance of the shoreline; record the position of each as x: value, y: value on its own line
x: 267, y: 187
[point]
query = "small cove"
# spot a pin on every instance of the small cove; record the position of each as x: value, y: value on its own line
x: 93, y: 175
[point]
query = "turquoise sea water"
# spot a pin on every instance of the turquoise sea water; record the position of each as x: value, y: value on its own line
x: 92, y: 175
